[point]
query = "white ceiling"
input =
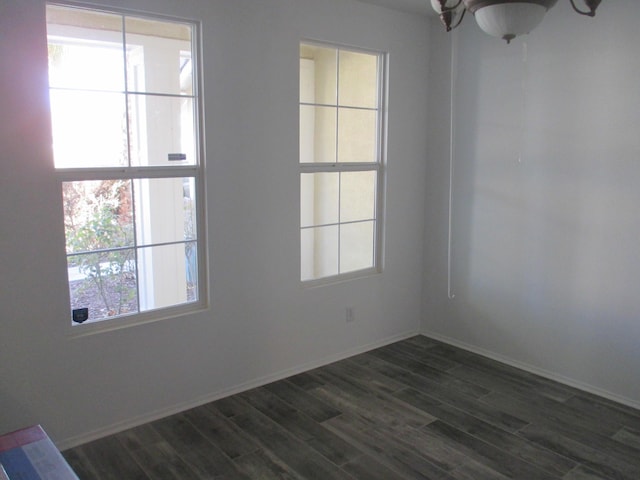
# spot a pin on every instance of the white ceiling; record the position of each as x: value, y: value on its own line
x: 413, y: 6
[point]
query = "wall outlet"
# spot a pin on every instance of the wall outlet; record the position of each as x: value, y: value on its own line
x: 351, y: 316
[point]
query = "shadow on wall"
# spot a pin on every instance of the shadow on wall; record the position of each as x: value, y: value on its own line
x: 543, y: 201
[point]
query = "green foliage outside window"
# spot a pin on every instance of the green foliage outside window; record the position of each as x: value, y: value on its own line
x: 99, y: 232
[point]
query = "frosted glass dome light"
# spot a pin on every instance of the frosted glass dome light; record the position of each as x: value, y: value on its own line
x: 508, y: 20
x: 504, y: 19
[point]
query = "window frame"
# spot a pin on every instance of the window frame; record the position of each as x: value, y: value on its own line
x: 379, y: 166
x: 133, y: 172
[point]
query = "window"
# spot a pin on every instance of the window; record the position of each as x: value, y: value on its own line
x: 125, y: 122
x: 340, y: 161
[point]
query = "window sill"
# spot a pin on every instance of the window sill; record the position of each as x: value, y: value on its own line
x: 109, y: 325
x: 341, y: 278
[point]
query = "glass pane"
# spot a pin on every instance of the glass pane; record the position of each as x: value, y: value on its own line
x: 158, y: 57
x: 97, y: 215
x: 190, y: 212
x: 357, y: 138
x: 168, y: 275
x: 317, y: 134
x: 319, y: 252
x: 165, y: 210
x: 318, y: 74
x: 162, y: 130
x: 356, y: 246
x: 103, y: 282
x: 318, y: 198
x: 307, y: 80
x: 191, y: 265
x: 307, y: 248
x: 89, y: 129
x: 358, y: 76
x: 85, y: 49
x: 357, y: 196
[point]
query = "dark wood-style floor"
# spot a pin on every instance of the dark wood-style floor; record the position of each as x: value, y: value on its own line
x: 417, y: 409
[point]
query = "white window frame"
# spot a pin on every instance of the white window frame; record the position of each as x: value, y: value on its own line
x: 338, y: 167
x: 195, y: 171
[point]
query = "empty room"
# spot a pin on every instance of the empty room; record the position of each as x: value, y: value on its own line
x: 318, y: 239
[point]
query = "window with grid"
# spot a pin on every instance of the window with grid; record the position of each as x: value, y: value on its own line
x: 340, y: 160
x: 125, y: 123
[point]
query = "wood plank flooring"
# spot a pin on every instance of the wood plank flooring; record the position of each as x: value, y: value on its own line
x: 416, y: 409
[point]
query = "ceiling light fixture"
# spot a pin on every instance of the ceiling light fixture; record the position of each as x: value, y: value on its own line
x: 504, y: 19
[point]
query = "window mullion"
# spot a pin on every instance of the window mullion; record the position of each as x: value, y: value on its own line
x: 134, y: 215
x: 319, y: 104
x: 338, y: 167
x: 337, y: 106
x: 339, y: 219
x: 73, y: 174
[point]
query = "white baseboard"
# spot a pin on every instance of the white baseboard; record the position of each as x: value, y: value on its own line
x: 535, y: 370
x: 213, y: 396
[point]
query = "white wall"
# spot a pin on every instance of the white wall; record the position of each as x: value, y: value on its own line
x: 262, y: 323
x: 546, y: 223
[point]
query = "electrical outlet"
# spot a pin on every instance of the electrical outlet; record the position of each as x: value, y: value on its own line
x: 350, y: 315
